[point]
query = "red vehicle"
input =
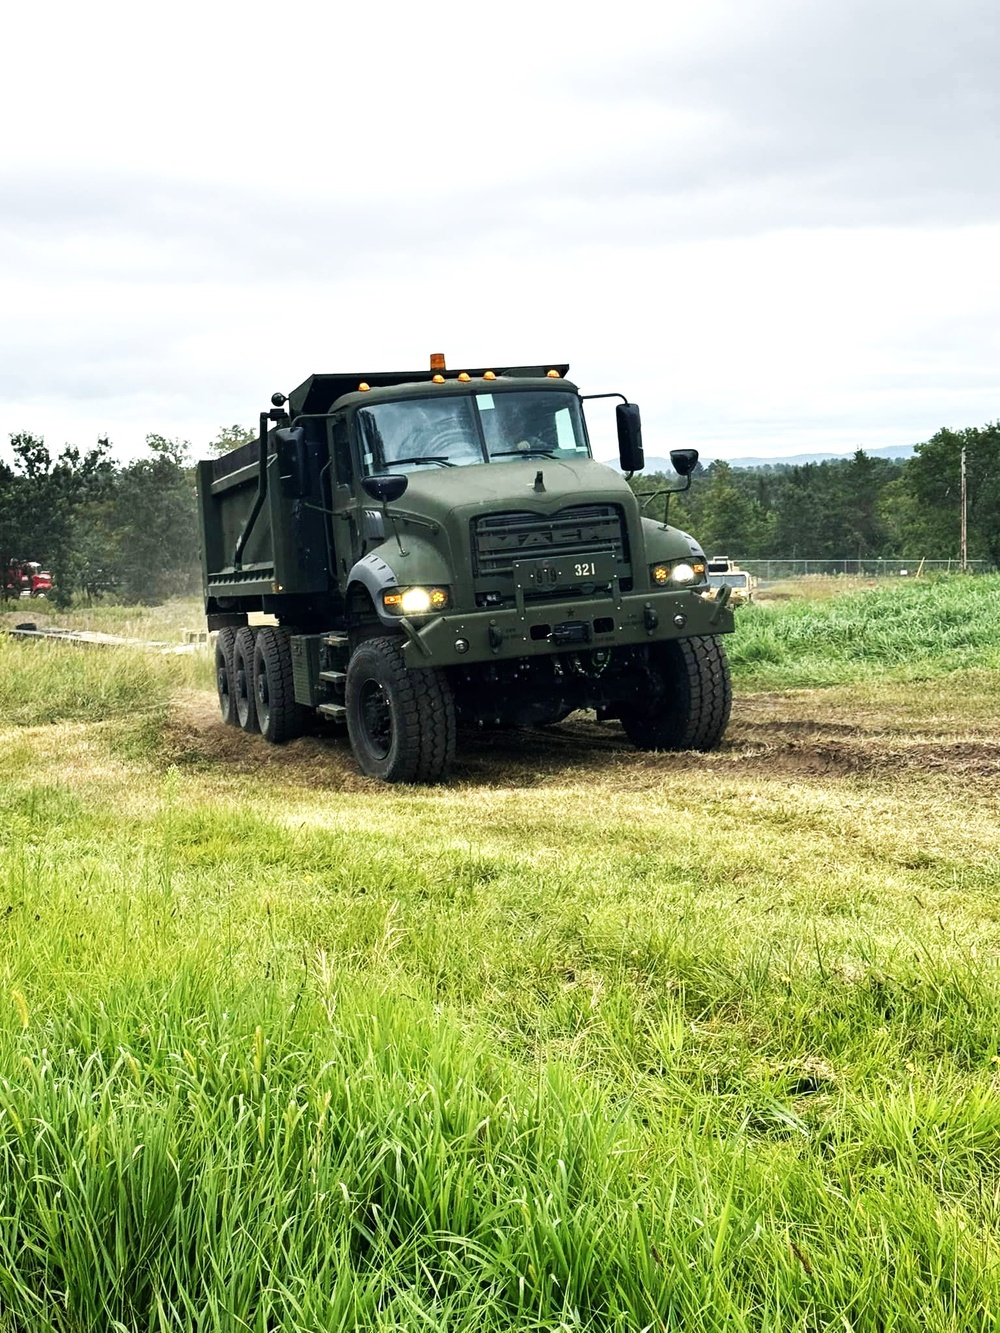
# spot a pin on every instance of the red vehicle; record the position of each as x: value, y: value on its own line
x: 27, y: 578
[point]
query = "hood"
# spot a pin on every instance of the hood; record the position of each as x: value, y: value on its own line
x: 511, y: 485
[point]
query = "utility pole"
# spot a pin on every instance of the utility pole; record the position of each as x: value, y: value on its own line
x: 964, y: 540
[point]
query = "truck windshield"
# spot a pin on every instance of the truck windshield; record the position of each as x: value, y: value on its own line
x: 478, y: 428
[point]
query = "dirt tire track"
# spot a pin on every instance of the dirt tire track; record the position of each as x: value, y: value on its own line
x: 759, y: 743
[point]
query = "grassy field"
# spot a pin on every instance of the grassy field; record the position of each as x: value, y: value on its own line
x: 585, y: 1039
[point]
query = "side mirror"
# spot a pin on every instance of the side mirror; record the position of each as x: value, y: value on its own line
x: 630, y: 453
x: 293, y: 459
x: 385, y: 487
x: 684, y: 461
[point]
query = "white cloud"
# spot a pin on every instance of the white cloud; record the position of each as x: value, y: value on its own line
x: 773, y: 226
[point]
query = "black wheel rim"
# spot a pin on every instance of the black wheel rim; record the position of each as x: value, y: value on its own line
x: 243, y: 699
x: 222, y: 679
x: 376, y: 718
x: 263, y: 699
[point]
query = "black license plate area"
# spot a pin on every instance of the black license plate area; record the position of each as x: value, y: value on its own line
x: 566, y: 571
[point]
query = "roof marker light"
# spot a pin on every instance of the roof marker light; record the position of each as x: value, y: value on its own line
x: 465, y: 377
x: 437, y: 379
x: 437, y: 361
x: 363, y: 387
x: 489, y: 375
x: 552, y: 375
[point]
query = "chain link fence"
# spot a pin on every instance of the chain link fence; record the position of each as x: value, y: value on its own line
x: 890, y: 567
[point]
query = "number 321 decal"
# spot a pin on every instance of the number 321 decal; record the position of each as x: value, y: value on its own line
x: 588, y: 567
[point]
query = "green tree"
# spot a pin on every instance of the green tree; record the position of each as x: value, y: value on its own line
x: 42, y: 497
x: 932, y: 492
x: 728, y: 518
x: 154, y: 518
x: 230, y: 437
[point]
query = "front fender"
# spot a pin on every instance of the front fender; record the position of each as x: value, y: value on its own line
x: 668, y: 543
x: 419, y: 563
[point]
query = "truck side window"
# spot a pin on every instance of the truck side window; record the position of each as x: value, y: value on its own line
x: 342, y: 453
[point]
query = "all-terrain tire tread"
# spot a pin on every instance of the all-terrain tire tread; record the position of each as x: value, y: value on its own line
x: 697, y: 697
x: 426, y: 715
x: 243, y: 650
x: 711, y: 691
x: 287, y: 719
x: 225, y: 641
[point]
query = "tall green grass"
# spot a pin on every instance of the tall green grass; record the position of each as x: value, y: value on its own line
x: 43, y: 681
x: 633, y: 1047
x: 911, y: 631
x: 307, y: 1152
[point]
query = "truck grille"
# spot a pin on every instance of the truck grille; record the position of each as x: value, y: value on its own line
x: 500, y: 539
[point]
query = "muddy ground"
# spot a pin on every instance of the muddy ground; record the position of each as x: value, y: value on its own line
x: 794, y: 734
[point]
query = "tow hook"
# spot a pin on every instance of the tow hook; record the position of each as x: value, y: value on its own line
x: 721, y: 600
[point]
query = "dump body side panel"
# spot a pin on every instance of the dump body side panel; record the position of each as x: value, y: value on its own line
x: 282, y: 552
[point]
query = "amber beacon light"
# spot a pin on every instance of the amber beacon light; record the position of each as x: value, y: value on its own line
x: 437, y: 361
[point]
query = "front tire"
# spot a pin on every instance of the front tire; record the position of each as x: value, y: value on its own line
x: 242, y: 680
x: 280, y: 718
x: 690, y: 699
x: 225, y: 641
x: 401, y: 722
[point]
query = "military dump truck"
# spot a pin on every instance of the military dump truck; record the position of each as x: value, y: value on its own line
x: 439, y: 550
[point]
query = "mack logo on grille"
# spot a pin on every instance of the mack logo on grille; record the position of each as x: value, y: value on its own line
x: 498, y: 539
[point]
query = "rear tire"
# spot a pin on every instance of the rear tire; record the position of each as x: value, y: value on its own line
x: 690, y: 700
x: 242, y: 679
x: 280, y: 718
x: 224, y: 643
x: 401, y: 722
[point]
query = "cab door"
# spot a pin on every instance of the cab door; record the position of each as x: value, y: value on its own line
x: 357, y: 521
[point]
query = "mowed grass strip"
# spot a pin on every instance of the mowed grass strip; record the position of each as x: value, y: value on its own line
x: 658, y: 1043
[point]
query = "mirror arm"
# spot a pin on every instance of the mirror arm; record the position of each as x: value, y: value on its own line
x: 390, y: 520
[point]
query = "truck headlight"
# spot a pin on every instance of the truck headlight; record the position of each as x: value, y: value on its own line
x: 414, y: 601
x: 677, y: 573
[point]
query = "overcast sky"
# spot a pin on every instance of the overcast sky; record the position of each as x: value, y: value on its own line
x: 776, y: 226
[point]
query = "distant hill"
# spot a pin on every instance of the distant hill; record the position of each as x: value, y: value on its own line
x: 786, y: 460
x: 796, y: 460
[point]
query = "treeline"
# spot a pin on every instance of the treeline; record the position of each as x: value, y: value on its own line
x: 106, y: 528
x: 859, y: 508
x: 124, y: 529
x: 129, y: 530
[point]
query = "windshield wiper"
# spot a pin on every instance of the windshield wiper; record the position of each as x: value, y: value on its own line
x: 522, y: 453
x: 429, y: 458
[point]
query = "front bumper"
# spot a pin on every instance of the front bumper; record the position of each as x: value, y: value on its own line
x: 574, y: 625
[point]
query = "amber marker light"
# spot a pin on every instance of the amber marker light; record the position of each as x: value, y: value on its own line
x: 489, y: 375
x: 437, y: 361
x: 363, y: 387
x: 465, y: 377
x: 552, y: 375
x: 437, y: 379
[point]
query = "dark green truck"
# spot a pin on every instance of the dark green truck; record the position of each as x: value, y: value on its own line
x: 441, y: 550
